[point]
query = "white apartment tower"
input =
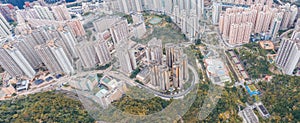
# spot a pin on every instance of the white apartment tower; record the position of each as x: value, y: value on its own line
x: 126, y: 61
x: 55, y: 58
x: 154, y: 51
x: 62, y: 59
x: 275, y: 25
x: 119, y: 31
x: 69, y: 41
x: 14, y: 62
x: 103, y: 52
x: 61, y: 12
x: 9, y: 64
x: 104, y: 23
x: 216, y: 10
x: 43, y: 12
x: 4, y: 27
x: 173, y: 53
x: 26, y: 46
x: 87, y: 54
x: 160, y: 76
x: 288, y: 55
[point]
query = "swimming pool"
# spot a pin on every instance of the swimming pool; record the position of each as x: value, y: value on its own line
x: 106, y: 80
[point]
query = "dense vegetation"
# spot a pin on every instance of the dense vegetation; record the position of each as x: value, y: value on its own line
x: 103, y: 67
x: 281, y: 98
x: 226, y: 108
x: 254, y: 60
x: 141, y: 107
x: 43, y: 107
x: 129, y: 18
x: 134, y: 73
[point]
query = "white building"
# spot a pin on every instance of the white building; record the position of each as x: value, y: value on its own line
x: 102, y: 52
x: 126, y: 58
x: 154, y: 52
x: 62, y: 59
x: 87, y: 54
x: 119, y: 31
x: 61, y: 12
x: 216, y: 10
x: 4, y: 27
x: 69, y: 41
x: 43, y: 12
x: 55, y: 58
x: 15, y: 63
x: 275, y: 25
x: 288, y: 55
x: 26, y: 46
x: 139, y: 30
x: 104, y: 23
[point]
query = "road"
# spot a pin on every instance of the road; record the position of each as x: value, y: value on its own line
x: 285, y: 33
x: 52, y: 85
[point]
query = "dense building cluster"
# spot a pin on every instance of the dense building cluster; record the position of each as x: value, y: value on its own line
x: 237, y: 24
x: 185, y: 13
x: 169, y: 71
x: 247, y: 2
x: 47, y: 36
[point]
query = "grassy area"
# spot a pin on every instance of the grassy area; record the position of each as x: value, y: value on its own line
x: 166, y: 34
x: 252, y: 87
x: 163, y: 31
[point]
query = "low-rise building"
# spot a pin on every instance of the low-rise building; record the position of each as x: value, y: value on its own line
x: 144, y: 76
x: 262, y: 110
x: 267, y: 45
x: 22, y: 85
x: 248, y: 115
x: 217, y: 71
x: 110, y: 90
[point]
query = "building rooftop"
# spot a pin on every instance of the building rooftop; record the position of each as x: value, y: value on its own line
x: 244, y: 74
x: 240, y: 67
x: 268, y: 45
x: 250, y: 116
x: 262, y: 110
x: 236, y: 60
x: 217, y: 70
x: 144, y: 73
x: 232, y: 53
x: 22, y: 85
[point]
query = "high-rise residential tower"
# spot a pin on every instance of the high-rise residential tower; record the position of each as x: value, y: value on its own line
x: 102, y: 52
x: 13, y: 61
x: 288, y: 55
x: 125, y: 57
x: 4, y: 27
x: 61, y: 12
x: 54, y: 57
x: 119, y: 31
x: 154, y: 51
